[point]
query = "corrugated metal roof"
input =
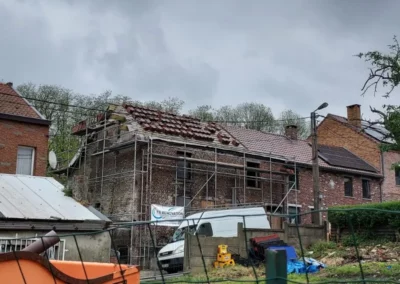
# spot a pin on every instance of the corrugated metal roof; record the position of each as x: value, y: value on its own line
x: 32, y: 197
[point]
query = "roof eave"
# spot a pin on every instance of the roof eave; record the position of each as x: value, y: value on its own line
x: 25, y: 119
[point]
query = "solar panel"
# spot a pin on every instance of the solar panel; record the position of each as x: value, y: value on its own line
x: 340, y: 157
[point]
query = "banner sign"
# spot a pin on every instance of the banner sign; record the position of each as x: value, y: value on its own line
x: 167, y: 214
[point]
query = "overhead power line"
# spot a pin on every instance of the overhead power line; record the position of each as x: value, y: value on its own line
x: 102, y: 110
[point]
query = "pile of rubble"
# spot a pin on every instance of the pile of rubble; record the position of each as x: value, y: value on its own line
x: 378, y: 253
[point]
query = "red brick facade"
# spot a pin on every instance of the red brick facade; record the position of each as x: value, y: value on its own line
x: 332, y: 190
x: 391, y: 189
x: 14, y: 134
x: 335, y: 133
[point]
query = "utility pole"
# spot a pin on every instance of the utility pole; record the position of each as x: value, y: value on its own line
x: 315, y: 165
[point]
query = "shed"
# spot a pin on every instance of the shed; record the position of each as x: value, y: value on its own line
x: 31, y: 206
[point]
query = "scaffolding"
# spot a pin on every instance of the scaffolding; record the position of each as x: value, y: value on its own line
x: 216, y: 168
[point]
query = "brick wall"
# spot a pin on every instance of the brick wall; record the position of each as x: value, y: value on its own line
x: 391, y: 190
x: 332, y: 189
x: 333, y: 133
x: 14, y: 134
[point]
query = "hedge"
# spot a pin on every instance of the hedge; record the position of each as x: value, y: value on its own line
x: 366, y: 216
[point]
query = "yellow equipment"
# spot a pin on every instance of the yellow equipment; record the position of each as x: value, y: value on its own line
x: 223, y: 257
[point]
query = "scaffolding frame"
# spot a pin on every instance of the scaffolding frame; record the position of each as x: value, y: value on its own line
x: 213, y: 169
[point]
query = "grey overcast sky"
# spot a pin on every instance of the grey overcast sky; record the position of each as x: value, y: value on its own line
x: 285, y: 54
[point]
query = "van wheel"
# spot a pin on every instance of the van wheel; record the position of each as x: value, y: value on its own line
x: 172, y: 270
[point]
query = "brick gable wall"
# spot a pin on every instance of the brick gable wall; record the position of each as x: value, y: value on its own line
x: 333, y: 133
x: 14, y: 134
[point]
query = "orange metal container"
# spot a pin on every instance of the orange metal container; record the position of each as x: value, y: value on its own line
x: 27, y: 267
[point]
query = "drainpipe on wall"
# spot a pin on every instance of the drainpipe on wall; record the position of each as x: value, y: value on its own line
x: 383, y: 174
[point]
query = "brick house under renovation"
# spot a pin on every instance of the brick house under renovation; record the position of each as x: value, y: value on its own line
x: 364, y: 140
x: 132, y: 157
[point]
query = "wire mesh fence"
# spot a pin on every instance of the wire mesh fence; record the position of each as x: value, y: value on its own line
x: 217, y: 249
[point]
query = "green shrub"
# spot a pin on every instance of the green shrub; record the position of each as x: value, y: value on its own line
x: 366, y: 216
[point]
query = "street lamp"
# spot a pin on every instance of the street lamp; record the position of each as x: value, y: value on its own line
x: 315, y: 166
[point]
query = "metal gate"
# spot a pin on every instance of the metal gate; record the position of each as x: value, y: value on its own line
x: 8, y: 245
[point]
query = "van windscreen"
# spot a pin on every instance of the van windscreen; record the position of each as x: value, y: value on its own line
x: 180, y: 233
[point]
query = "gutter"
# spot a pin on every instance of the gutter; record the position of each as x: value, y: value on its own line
x: 25, y: 119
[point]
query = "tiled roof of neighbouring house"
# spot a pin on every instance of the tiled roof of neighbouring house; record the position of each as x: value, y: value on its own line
x: 12, y: 103
x: 299, y: 150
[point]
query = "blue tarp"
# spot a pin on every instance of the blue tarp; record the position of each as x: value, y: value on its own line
x: 290, y: 251
x: 297, y: 266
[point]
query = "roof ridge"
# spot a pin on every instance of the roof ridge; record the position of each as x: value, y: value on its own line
x: 269, y: 133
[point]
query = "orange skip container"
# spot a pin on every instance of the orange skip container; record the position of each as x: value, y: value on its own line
x: 27, y: 267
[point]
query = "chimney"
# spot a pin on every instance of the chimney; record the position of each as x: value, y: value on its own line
x: 10, y: 84
x: 354, y: 115
x: 291, y: 132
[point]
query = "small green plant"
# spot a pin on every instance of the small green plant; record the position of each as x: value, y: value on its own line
x: 320, y: 248
x: 67, y: 192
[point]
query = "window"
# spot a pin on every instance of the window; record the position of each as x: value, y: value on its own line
x: 366, y: 189
x: 205, y: 229
x: 184, y: 168
x: 180, y: 201
x: 252, y: 176
x: 294, y: 214
x: 397, y: 174
x: 25, y: 160
x: 348, y: 186
x: 292, y: 180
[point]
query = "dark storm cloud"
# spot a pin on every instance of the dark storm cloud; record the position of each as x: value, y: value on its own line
x: 285, y: 54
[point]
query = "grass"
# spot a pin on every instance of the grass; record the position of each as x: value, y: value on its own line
x: 344, y: 274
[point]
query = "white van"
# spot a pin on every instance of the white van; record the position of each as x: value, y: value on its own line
x: 219, y: 223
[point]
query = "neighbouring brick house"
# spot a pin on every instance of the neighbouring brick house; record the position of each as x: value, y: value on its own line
x: 134, y: 157
x: 364, y: 140
x: 24, y: 135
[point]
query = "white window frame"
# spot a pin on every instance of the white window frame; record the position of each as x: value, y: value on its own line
x: 33, y: 158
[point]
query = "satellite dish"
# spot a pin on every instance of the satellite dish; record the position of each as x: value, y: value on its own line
x: 53, y: 160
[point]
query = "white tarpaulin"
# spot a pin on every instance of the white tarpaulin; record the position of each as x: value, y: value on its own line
x: 165, y: 215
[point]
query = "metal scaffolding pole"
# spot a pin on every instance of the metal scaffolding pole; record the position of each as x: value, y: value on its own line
x: 270, y: 181
x: 215, y: 176
x: 244, y: 177
x: 104, y: 146
x: 133, y: 198
x: 184, y: 179
x: 141, y: 207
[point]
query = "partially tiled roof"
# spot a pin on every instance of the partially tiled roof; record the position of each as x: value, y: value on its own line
x: 12, y: 103
x: 299, y: 151
x: 178, y: 126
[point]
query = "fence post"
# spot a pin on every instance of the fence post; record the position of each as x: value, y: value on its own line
x: 276, y: 266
